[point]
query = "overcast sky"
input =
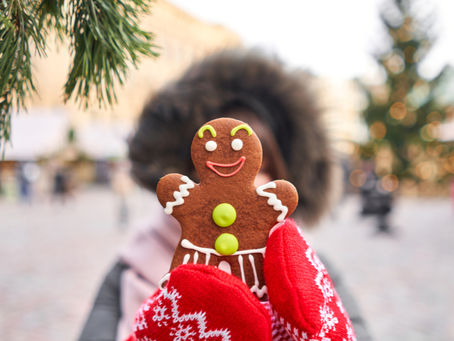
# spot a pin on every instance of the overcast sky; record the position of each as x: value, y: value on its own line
x: 332, y: 38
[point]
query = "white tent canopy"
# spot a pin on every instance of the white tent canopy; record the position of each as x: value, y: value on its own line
x: 102, y: 140
x: 44, y: 132
x: 37, y: 133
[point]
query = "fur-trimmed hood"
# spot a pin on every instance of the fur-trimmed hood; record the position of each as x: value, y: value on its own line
x: 237, y: 78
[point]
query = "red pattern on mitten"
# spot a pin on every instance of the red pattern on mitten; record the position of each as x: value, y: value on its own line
x: 202, y: 302
x: 300, y: 290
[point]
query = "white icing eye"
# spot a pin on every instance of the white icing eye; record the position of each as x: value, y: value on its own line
x: 237, y: 144
x: 211, y: 146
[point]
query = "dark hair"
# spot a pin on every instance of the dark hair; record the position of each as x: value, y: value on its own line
x: 214, y: 86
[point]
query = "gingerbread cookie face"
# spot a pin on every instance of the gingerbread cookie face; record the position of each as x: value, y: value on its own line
x: 226, y: 150
x: 225, y: 220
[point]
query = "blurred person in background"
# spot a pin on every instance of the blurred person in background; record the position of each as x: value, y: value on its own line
x: 241, y: 84
x: 24, y: 184
x: 375, y: 200
x: 122, y: 186
x: 61, y: 184
x: 28, y: 174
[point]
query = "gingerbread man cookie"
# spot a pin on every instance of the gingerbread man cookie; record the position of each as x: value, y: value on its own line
x: 225, y: 220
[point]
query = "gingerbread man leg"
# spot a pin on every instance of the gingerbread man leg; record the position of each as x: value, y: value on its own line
x: 202, y: 303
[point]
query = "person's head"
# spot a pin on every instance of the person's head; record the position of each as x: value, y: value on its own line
x: 253, y: 88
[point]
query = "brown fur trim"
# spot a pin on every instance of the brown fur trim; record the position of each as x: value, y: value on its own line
x: 228, y: 79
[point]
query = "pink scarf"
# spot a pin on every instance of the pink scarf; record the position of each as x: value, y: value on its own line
x: 149, y: 255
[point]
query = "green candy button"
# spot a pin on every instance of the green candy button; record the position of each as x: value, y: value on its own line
x: 226, y: 244
x: 224, y: 215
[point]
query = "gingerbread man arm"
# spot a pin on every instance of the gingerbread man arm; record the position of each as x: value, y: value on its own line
x: 171, y: 191
x: 281, y: 195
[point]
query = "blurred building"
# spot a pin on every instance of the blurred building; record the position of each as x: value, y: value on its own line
x: 181, y: 39
x: 341, y: 102
x: 59, y: 136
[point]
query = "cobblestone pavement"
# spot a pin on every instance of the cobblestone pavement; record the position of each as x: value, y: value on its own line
x: 53, y: 257
x: 404, y: 282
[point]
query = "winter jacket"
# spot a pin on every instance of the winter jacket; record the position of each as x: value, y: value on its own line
x: 132, y: 278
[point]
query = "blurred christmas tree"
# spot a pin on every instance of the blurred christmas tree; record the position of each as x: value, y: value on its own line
x: 404, y: 114
x: 105, y: 39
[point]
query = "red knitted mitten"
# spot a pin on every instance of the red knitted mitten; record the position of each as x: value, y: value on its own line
x: 300, y: 291
x: 202, y: 302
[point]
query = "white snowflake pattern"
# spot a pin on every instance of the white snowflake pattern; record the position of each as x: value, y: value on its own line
x: 312, y: 257
x: 339, y: 305
x: 160, y: 315
x: 350, y: 334
x: 326, y: 288
x: 328, y: 318
x: 167, y: 314
x: 140, y: 324
x: 182, y: 333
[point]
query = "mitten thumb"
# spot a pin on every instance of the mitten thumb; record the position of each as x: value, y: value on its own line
x: 300, y: 290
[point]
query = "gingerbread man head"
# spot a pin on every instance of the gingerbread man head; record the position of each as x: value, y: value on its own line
x: 226, y: 152
x: 225, y: 220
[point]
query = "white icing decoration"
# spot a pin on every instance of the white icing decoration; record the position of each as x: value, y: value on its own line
x: 240, y: 261
x: 180, y: 194
x: 274, y: 228
x: 196, y: 257
x: 211, y: 146
x: 208, y: 252
x: 255, y: 288
x: 205, y: 250
x: 237, y: 144
x: 164, y: 279
x: 225, y: 266
x: 186, y: 258
x: 273, y: 200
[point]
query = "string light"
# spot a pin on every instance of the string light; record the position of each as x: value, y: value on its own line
x: 398, y: 110
x: 390, y: 182
x: 377, y: 130
x: 357, y: 177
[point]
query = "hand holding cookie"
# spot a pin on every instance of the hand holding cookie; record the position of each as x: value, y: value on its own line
x: 229, y: 223
x: 226, y: 219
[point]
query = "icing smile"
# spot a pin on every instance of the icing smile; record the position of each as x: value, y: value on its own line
x: 238, y: 164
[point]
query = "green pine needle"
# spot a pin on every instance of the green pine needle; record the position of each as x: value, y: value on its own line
x: 19, y: 34
x: 106, y: 39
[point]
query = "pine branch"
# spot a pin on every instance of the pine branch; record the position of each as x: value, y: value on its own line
x: 19, y: 33
x: 105, y: 40
x: 51, y: 16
